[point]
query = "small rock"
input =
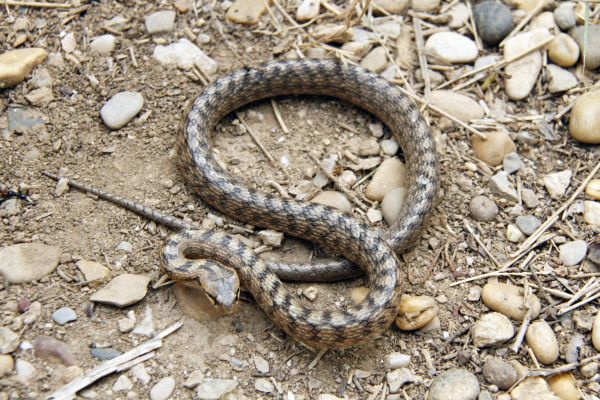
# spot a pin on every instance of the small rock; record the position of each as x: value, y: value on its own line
x: 15, y: 65
x: 584, y: 125
x: 26, y: 262
x: 376, y: 60
x: 333, y: 199
x: 396, y: 360
x: 528, y: 224
x: 587, y: 370
x: 592, y: 189
x: 92, y: 271
x: 454, y: 384
x: 425, y: 5
x: 399, y: 377
x: 53, y: 350
x: 533, y: 388
x: 474, y: 293
x: 62, y: 186
x: 557, y: 183
x: 6, y: 365
x: 369, y: 147
x: 542, y: 340
x: 391, y: 6
x: 529, y: 198
x: 451, y: 47
x: 163, y: 389
x: 105, y: 353
x: 40, y: 97
x: 564, y: 386
x: 494, y: 21
x: 391, y: 174
x: 544, y: 20
x: 591, y: 212
x: 389, y: 147
x: 392, y: 204
x: 415, y: 312
x: 146, y: 325
x: 21, y: 120
x: 458, y: 105
x: 493, y: 150
x: 559, y: 80
x: 184, y: 54
x: 35, y: 309
x: 103, y: 44
x: 122, y: 384
x: 374, y: 216
x: 122, y: 291
x: 140, y: 373
x: 64, y: 315
x: 160, y: 22
x: 376, y: 130
x: 492, y: 329
x: 564, y: 15
x: 573, y: 348
x: 270, y: 238
x: 503, y: 187
x: 500, y: 373
x: 592, y: 52
x: 307, y: 10
x: 214, y: 389
x: 121, y: 109
x: 261, y: 365
x: 194, y: 379
x: 127, y: 324
x: 594, y: 253
x: 41, y: 78
x: 572, y: 253
x: 512, y: 163
x: 310, y: 293
x: 508, y: 300
x: 483, y: 209
x: 246, y: 11
x: 25, y: 371
x: 125, y: 246
x: 264, y: 385
x: 563, y: 50
x: 9, y: 340
x: 69, y: 43
x: 459, y: 15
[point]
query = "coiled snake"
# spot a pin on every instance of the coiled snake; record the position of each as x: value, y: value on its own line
x: 208, y: 254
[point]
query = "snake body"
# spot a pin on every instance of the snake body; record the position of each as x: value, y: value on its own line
x: 190, y: 251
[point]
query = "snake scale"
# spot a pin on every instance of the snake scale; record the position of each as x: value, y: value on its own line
x: 205, y: 254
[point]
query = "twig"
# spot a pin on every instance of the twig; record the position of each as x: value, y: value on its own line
x: 114, y: 365
x: 278, y: 116
x: 480, y: 242
x: 316, y: 359
x: 525, y: 21
x: 500, y: 272
x: 256, y: 139
x: 36, y: 4
x: 523, y: 329
x: 421, y: 54
x: 579, y: 304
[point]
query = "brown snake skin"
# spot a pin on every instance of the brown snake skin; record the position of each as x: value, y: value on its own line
x: 192, y: 253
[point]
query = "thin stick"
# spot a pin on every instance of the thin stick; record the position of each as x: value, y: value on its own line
x: 36, y: 4
x: 256, y: 139
x: 316, y: 359
x: 480, y: 242
x: 538, y: 7
x: 421, y: 54
x: 278, y: 116
x: 579, y: 304
x: 525, y: 324
x: 500, y: 272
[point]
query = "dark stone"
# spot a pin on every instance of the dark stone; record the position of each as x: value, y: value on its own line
x: 594, y: 253
x: 493, y: 20
x: 106, y: 353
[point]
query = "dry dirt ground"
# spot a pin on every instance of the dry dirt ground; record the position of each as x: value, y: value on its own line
x: 139, y: 164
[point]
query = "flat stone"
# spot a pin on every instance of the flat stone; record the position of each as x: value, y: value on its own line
x: 194, y: 379
x: 574, y: 347
x: 93, y: 271
x: 459, y: 15
x: 557, y: 183
x: 572, y: 253
x: 458, y: 105
x: 492, y: 329
x: 451, y: 47
x: 103, y: 44
x: 122, y: 384
x: 121, y: 108
x: 160, y: 22
x: 494, y: 21
x: 514, y: 234
x: 500, y: 373
x: 105, y: 353
x: 454, y: 384
x: 528, y: 224
x: 559, y: 80
x: 264, y: 385
x: 53, y: 350
x: 184, y: 54
x: 529, y: 198
x: 41, y: 78
x: 26, y: 262
x: 247, y: 11
x: 69, y: 43
x: 503, y: 187
x: 21, y: 120
x: 533, y: 388
x: 584, y: 125
x: 26, y: 372
x: 64, y: 315
x: 139, y: 372
x: 494, y: 149
x: 512, y: 163
x: 163, y: 389
x: 9, y: 340
x: 396, y: 360
x: 563, y: 50
x: 123, y: 290
x: 333, y: 199
x: 391, y: 174
x: 592, y: 52
x: 214, y: 389
x: 425, y: 5
x: 15, y: 65
x: 541, y: 339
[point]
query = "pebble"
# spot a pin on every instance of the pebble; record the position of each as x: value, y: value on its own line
x: 533, y: 388
x: 559, y: 80
x: 53, y: 350
x: 122, y: 384
x: 584, y: 125
x: 194, y: 379
x: 214, y: 389
x: 458, y: 105
x: 105, y: 353
x: 270, y: 238
x: 93, y: 271
x: 391, y: 6
x: 40, y: 97
x: 163, y: 389
x: 64, y: 315
x: 121, y: 108
x: 246, y: 11
x: 508, y: 300
x: 564, y: 386
x: 503, y: 187
x: 396, y: 360
x: 41, y: 78
x: 26, y: 262
x: 587, y: 370
x: 522, y: 74
x: 103, y: 44
x: 563, y: 50
x: 333, y: 199
x: 542, y: 340
x: 592, y: 189
x: 451, y: 47
x: 62, y: 187
x: 35, y: 310
x: 127, y: 324
x: 376, y: 60
x: 594, y: 253
x: 493, y: 20
x: 564, y: 15
x: 528, y: 224
x: 369, y: 147
x: 123, y: 290
x: 493, y: 150
x: 572, y: 253
x: 415, y: 312
x: 23, y: 119
x: 307, y: 10
x: 592, y: 53
x: 425, y: 5
x: 500, y: 373
x: 389, y: 147
x: 69, y: 43
x: 544, y: 20
x: 139, y: 372
x: 392, y: 204
x: 146, y: 326
x: 32, y: 155
x: 483, y: 209
x: 573, y: 348
x: 160, y: 22
x: 264, y: 385
x: 400, y: 377
x: 492, y: 329
x: 7, y: 364
x: 25, y: 371
x: 557, y: 183
x: 454, y: 384
x: 374, y: 216
x: 529, y: 198
x: 512, y: 163
x: 459, y: 15
x: 390, y: 175
x: 9, y: 340
x: 261, y: 365
x: 591, y: 213
x: 184, y: 54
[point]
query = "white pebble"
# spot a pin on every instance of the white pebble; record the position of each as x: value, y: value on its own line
x: 121, y: 109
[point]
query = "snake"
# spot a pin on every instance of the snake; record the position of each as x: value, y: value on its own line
x: 219, y: 259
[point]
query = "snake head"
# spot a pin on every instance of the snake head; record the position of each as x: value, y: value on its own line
x: 221, y: 285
